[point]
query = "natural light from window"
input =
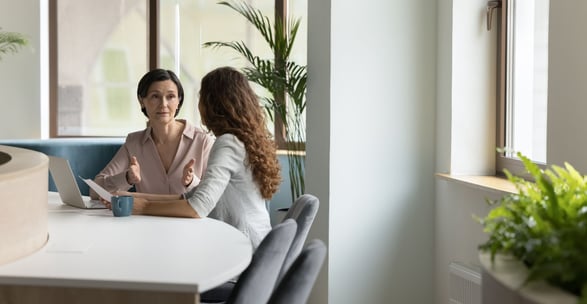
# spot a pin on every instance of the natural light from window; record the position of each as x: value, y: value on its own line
x: 527, y: 79
x: 102, y: 54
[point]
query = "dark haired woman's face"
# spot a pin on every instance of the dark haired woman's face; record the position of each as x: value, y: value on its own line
x: 161, y: 102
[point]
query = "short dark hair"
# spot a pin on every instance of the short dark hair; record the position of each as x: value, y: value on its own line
x: 159, y: 75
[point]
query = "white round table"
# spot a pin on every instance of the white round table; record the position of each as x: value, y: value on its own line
x: 91, y: 249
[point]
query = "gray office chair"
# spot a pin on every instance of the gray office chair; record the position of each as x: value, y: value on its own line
x: 303, y: 211
x: 296, y: 285
x: 257, y: 282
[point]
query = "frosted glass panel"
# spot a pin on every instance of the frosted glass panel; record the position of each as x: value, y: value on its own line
x: 102, y: 53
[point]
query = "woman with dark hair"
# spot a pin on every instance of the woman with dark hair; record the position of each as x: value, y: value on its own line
x: 243, y: 171
x: 170, y: 155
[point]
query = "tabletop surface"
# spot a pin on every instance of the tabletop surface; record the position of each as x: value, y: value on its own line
x: 92, y: 248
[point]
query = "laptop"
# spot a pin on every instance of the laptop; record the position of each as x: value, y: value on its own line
x: 67, y: 186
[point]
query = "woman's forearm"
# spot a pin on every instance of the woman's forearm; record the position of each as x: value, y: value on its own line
x: 157, y: 197
x: 172, y: 208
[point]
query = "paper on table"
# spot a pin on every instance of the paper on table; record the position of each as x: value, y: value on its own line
x: 99, y: 190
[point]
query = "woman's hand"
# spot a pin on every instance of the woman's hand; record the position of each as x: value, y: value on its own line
x: 138, y: 205
x: 133, y: 174
x: 106, y: 203
x: 188, y: 172
x: 121, y: 193
x: 116, y: 193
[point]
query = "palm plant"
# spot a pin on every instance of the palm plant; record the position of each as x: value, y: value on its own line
x: 11, y: 42
x: 285, y: 80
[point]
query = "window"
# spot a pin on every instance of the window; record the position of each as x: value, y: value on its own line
x: 104, y: 47
x: 101, y: 54
x: 522, y: 106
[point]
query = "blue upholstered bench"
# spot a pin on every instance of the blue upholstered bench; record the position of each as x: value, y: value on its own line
x: 87, y: 156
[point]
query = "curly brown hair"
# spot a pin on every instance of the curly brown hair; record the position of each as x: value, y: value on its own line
x: 228, y: 104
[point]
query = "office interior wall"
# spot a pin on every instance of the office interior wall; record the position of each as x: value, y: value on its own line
x: 376, y: 141
x: 20, y: 80
x: 456, y: 204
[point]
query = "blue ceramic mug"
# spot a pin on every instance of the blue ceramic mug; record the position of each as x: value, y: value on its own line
x: 122, y: 205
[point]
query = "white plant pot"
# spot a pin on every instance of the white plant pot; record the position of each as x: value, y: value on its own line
x: 503, y: 282
x: 23, y: 202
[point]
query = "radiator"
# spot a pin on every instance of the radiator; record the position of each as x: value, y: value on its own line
x: 464, y: 284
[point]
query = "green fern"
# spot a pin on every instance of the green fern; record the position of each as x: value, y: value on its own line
x: 544, y: 225
x: 280, y: 77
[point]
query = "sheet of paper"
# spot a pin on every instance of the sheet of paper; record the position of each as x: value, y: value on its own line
x: 98, y: 189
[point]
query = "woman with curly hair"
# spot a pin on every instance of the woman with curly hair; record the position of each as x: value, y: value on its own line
x: 242, y: 172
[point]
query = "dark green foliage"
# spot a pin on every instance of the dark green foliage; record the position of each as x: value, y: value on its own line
x: 544, y: 225
x: 11, y: 42
x: 285, y: 80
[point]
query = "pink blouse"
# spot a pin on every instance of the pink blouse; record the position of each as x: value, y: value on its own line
x: 194, y: 143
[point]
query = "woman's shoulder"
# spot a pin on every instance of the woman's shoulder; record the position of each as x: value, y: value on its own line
x: 192, y: 130
x: 137, y: 136
x: 229, y: 141
x: 228, y: 147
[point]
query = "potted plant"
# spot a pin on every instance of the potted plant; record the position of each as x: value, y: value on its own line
x: 11, y: 42
x: 544, y: 226
x: 284, y: 79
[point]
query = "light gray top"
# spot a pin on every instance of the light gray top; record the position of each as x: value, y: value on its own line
x: 228, y: 192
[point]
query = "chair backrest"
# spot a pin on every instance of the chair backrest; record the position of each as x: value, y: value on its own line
x: 296, y: 285
x: 257, y: 282
x: 303, y: 211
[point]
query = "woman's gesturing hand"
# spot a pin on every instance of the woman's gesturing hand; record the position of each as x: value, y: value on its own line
x: 133, y: 174
x: 188, y: 172
x: 106, y: 203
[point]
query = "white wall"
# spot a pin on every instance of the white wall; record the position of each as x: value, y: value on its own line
x: 371, y: 138
x: 457, y: 234
x: 370, y: 149
x: 567, y: 84
x: 370, y: 146
x: 20, y: 73
x: 319, y: 130
x: 465, y: 132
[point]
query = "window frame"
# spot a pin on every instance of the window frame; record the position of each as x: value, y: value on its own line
x: 502, y: 162
x: 152, y: 33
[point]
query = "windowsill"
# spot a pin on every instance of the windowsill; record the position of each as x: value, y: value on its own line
x: 287, y: 152
x: 490, y: 183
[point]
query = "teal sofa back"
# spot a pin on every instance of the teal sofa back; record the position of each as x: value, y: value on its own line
x: 87, y: 156
x: 282, y: 199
